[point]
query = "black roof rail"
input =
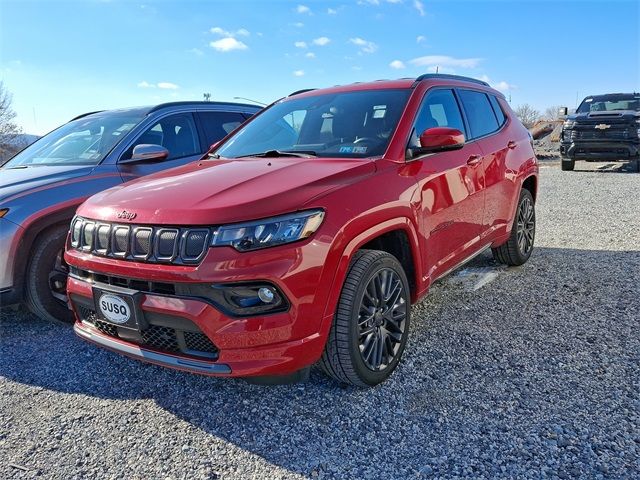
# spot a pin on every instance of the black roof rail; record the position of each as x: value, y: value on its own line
x: 304, y: 90
x: 446, y: 76
x: 198, y: 102
x: 85, y: 114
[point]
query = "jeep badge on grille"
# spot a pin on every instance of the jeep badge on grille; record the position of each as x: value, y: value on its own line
x: 127, y: 215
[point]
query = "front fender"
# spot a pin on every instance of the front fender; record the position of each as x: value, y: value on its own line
x: 356, y: 242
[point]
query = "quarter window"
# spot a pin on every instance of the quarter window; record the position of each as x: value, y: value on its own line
x: 482, y: 119
x: 439, y: 109
x: 497, y: 109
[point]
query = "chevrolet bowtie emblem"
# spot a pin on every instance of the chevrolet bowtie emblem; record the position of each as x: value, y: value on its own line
x: 603, y: 126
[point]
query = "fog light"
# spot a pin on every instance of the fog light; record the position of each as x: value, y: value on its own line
x: 266, y: 295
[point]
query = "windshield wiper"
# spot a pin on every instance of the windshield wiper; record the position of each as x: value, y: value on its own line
x: 283, y: 153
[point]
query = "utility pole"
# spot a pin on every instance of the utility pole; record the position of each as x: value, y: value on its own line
x: 207, y: 97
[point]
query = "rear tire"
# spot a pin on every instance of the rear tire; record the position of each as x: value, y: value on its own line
x: 371, y: 325
x: 567, y: 165
x: 518, y: 248
x: 45, y: 289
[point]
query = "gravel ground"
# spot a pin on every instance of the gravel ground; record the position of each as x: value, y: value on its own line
x: 525, y: 372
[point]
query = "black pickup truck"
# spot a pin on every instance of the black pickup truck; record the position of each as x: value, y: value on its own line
x: 604, y: 127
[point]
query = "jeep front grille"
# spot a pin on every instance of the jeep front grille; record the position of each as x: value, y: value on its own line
x: 182, y: 246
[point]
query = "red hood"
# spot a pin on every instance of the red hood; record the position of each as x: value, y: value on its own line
x: 224, y: 191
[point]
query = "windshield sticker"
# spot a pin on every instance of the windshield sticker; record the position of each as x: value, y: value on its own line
x: 353, y: 149
x: 588, y: 100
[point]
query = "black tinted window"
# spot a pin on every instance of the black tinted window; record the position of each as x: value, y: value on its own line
x: 497, y: 109
x: 176, y: 133
x: 217, y: 125
x: 482, y: 120
x: 439, y: 109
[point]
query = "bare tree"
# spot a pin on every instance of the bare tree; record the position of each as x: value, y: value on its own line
x: 552, y: 113
x: 10, y: 140
x: 527, y: 114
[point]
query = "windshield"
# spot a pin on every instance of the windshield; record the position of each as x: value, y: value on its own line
x: 349, y: 124
x: 610, y: 103
x: 85, y: 141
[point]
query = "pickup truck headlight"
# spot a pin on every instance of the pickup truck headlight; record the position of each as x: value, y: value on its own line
x: 268, y: 232
x: 568, y: 124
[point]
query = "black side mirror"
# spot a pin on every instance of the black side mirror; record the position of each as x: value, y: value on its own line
x: 146, y: 152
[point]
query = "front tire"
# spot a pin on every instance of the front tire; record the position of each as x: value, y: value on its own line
x: 567, y: 165
x: 371, y: 325
x: 46, y: 282
x: 518, y: 248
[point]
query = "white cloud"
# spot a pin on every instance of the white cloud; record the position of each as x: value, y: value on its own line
x: 227, y: 44
x: 303, y: 9
x: 445, y: 61
x: 196, y: 51
x: 419, y: 6
x: 298, y: 24
x: 300, y: 44
x: 397, y: 64
x: 163, y: 85
x: 220, y: 31
x: 421, y: 39
x: 501, y: 86
x: 365, y: 45
x: 310, y: 55
x: 321, y: 41
x: 168, y: 86
x: 243, y: 32
x: 394, y: 1
x: 332, y: 11
x: 298, y: 73
x: 368, y: 2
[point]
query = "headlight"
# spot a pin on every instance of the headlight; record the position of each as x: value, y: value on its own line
x: 268, y: 232
x: 568, y: 124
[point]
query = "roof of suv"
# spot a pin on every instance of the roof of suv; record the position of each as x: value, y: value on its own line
x: 398, y: 84
x: 145, y: 110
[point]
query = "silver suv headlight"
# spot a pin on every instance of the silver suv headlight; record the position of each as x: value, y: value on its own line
x: 268, y: 232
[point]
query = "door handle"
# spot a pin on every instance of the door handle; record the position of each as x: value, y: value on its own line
x: 512, y: 145
x: 473, y: 160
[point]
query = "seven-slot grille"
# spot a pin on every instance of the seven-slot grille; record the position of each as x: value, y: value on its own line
x: 140, y: 242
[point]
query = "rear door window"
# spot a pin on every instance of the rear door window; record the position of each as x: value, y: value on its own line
x: 482, y: 120
x: 218, y: 125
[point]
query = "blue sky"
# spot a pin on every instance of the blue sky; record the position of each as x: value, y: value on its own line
x: 60, y: 59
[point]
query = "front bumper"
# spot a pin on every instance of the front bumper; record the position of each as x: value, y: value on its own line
x: 272, y: 344
x: 601, y: 150
x: 9, y: 236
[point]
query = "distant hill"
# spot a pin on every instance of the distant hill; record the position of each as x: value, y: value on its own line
x: 11, y: 145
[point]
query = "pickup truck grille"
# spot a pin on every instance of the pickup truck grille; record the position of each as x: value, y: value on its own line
x: 602, y: 134
x: 142, y: 243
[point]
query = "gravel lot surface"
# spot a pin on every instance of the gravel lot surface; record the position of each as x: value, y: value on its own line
x: 525, y: 372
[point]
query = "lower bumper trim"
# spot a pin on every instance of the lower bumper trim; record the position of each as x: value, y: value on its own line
x: 162, y: 359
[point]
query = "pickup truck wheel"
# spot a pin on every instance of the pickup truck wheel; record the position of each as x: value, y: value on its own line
x: 46, y: 284
x: 567, y: 165
x: 518, y: 248
x: 371, y: 325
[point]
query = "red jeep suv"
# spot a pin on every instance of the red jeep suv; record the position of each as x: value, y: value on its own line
x: 305, y: 236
